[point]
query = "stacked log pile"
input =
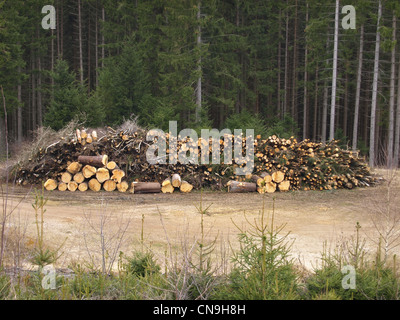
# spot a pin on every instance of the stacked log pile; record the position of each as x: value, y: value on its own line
x: 87, y: 160
x: 90, y: 172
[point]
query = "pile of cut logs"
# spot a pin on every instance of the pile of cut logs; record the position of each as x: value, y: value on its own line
x: 80, y: 161
x: 90, y: 172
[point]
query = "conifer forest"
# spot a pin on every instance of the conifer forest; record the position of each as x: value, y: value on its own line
x: 317, y: 70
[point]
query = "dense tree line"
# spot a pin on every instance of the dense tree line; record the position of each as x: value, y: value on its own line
x: 267, y: 65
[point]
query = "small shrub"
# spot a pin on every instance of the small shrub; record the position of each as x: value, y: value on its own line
x: 142, y: 264
x: 262, y: 267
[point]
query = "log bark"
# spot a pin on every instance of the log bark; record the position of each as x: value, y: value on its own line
x: 236, y: 186
x: 145, y: 187
x: 97, y: 161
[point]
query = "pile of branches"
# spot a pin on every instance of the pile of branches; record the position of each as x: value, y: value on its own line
x: 303, y: 165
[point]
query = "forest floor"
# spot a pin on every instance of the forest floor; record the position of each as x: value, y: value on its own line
x: 164, y: 221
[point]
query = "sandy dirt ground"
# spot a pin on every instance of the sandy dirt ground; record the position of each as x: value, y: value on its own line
x: 172, y: 221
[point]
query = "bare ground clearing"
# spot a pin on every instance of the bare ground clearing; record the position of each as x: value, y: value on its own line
x: 312, y: 217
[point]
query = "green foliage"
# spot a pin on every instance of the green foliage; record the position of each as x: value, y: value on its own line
x: 373, y: 280
x: 69, y: 98
x: 246, y: 120
x: 263, y: 269
x: 123, y: 83
x: 4, y: 286
x: 284, y: 128
x: 142, y: 264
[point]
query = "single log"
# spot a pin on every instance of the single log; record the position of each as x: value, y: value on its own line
x: 66, y: 177
x: 236, y: 186
x: 94, y: 135
x: 94, y: 185
x: 84, y: 134
x: 267, y: 178
x: 117, y: 175
x: 109, y: 185
x: 89, y: 138
x: 88, y: 171
x: 78, y: 135
x: 284, y: 185
x: 79, y: 177
x: 50, y: 184
x: 62, y: 186
x: 72, y: 186
x: 176, y: 180
x: 111, y: 165
x: 123, y: 186
x: 270, y: 187
x: 83, y: 186
x: 185, y: 186
x: 74, y: 167
x: 146, y: 187
x: 278, y: 176
x: 166, y: 182
x: 167, y: 187
x: 97, y: 161
x: 258, y: 180
x: 102, y: 175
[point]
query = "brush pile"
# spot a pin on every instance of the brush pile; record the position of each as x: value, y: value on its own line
x: 66, y: 163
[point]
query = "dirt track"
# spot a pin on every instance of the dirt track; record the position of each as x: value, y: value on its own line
x: 311, y: 217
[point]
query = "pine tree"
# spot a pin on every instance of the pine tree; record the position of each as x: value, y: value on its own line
x: 69, y: 97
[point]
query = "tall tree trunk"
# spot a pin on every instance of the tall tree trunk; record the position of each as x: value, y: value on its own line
x: 375, y: 92
x: 39, y: 93
x: 2, y: 138
x: 279, y: 111
x: 294, y: 71
x: 397, y: 130
x: 358, y: 89
x: 89, y: 76
x: 19, y: 111
x: 392, y: 98
x: 305, y: 101
x: 80, y: 42
x: 103, y: 55
x: 97, y: 47
x: 315, y: 126
x: 198, y: 88
x: 285, y: 87
x: 325, y: 101
x: 334, y: 73
x: 33, y: 93
x: 345, y: 102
